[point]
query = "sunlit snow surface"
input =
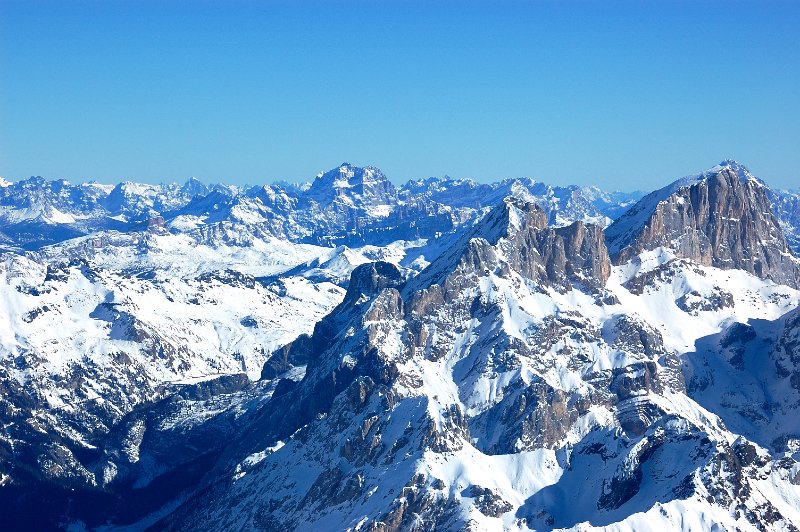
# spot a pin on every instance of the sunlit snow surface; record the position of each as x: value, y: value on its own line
x: 176, y: 311
x: 565, y: 484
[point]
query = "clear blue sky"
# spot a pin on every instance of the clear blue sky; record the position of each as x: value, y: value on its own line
x: 620, y: 94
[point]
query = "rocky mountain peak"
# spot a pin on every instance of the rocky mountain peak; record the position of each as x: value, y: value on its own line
x: 516, y: 235
x: 348, y: 180
x: 741, y: 170
x: 367, y: 280
x: 194, y: 187
x: 722, y: 218
x: 511, y: 216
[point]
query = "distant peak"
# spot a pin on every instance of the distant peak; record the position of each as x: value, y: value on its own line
x: 349, y: 181
x: 343, y: 171
x: 194, y: 186
x: 347, y: 172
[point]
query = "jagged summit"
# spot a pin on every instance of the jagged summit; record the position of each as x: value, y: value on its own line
x: 511, y: 215
x: 348, y: 180
x: 515, y: 235
x: 740, y: 170
x: 194, y: 187
x: 721, y: 217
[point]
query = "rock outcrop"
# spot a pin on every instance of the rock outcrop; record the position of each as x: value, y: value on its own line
x: 720, y: 218
x: 515, y: 236
x: 556, y: 255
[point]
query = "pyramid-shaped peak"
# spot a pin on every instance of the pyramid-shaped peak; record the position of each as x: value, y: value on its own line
x: 194, y: 187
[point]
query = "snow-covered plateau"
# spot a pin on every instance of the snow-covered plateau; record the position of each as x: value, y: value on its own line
x: 441, y: 355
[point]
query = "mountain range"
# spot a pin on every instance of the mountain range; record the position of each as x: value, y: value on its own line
x: 355, y: 355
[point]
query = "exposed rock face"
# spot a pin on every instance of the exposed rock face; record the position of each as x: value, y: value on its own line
x: 585, y: 258
x: 558, y: 256
x: 368, y: 280
x: 515, y: 236
x: 721, y: 218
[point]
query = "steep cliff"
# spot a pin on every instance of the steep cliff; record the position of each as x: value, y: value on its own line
x: 722, y: 218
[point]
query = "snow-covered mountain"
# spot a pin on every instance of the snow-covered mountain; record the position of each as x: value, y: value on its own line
x: 508, y: 386
x: 347, y: 205
x: 36, y: 212
x: 440, y: 355
x: 86, y: 341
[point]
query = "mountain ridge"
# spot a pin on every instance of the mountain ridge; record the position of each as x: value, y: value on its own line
x: 497, y: 371
x: 285, y: 210
x: 366, y: 386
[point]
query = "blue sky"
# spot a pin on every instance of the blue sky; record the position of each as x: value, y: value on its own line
x: 625, y: 95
